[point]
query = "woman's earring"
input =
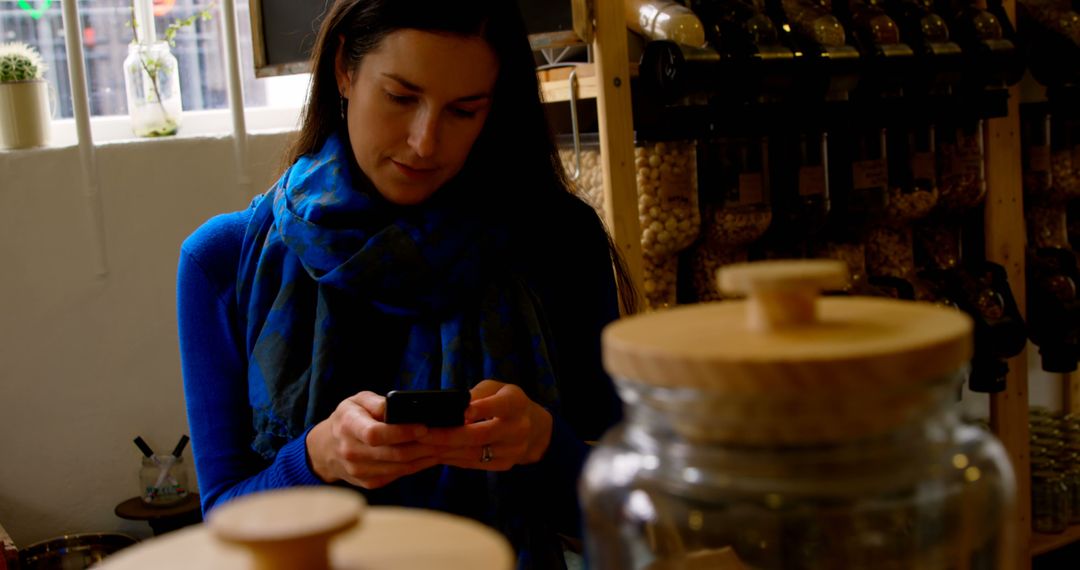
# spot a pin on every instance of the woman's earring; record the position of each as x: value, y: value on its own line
x: 342, y: 107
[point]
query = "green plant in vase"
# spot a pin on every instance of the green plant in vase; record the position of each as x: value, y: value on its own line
x: 151, y: 73
x: 20, y: 62
x: 24, y: 97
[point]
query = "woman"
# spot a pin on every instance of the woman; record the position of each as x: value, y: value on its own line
x: 421, y: 238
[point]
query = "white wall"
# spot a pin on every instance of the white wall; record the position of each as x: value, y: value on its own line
x: 88, y: 362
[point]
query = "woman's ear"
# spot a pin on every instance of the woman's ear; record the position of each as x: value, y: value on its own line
x: 342, y: 74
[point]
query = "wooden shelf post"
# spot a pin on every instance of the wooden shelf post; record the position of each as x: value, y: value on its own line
x: 1006, y: 241
x: 1071, y: 392
x: 617, y: 133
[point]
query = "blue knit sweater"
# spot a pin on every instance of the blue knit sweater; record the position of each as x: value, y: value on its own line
x: 565, y: 260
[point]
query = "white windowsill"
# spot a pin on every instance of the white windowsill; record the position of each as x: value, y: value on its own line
x: 196, y: 124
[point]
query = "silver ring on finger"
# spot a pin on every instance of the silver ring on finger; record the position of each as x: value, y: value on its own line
x: 486, y: 454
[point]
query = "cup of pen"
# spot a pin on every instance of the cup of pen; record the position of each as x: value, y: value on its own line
x: 162, y: 480
x: 163, y: 477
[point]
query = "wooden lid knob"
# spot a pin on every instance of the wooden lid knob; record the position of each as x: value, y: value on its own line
x: 288, y: 528
x: 781, y: 294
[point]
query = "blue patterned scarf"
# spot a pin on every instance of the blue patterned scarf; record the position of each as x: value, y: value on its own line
x: 324, y: 250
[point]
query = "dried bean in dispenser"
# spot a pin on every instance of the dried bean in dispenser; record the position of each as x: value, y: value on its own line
x: 853, y: 254
x: 961, y: 165
x: 659, y: 281
x: 941, y: 242
x: 913, y: 191
x: 1047, y: 225
x: 667, y: 197
x: 706, y: 259
x: 589, y: 182
x: 1035, y: 142
x: 734, y: 190
x: 889, y: 252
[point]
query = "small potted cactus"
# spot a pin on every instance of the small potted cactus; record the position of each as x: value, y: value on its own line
x: 24, y: 97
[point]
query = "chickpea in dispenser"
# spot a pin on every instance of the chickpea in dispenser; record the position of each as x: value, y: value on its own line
x: 667, y: 212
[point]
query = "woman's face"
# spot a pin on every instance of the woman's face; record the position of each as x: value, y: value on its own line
x: 416, y: 105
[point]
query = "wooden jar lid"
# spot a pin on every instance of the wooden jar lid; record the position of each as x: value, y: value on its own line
x: 288, y: 528
x: 390, y: 538
x: 785, y: 345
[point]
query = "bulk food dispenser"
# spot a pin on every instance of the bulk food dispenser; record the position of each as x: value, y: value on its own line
x: 793, y: 432
x: 799, y: 188
x: 1050, y: 30
x: 951, y: 257
x: 1052, y: 272
x: 859, y: 185
x: 827, y: 64
x: 912, y: 195
x: 668, y: 213
x: 734, y: 200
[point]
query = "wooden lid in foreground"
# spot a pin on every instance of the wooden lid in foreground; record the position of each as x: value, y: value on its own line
x: 390, y: 538
x: 785, y: 339
x: 288, y: 528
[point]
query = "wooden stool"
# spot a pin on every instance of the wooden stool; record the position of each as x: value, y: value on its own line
x: 162, y: 519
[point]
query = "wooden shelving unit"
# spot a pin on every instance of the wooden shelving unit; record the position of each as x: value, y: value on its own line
x: 608, y: 80
x: 1043, y: 543
x: 555, y: 83
x: 1006, y: 244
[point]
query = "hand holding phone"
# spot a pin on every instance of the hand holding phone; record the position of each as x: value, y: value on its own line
x: 355, y: 444
x: 432, y: 408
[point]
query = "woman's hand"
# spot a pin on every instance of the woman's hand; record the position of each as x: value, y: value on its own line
x: 354, y: 445
x: 503, y: 428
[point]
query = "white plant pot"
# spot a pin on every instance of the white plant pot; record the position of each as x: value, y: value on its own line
x: 24, y: 114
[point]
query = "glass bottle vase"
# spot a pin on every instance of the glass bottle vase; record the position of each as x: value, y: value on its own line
x: 152, y: 78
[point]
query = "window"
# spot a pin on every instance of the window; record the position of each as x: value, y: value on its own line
x: 106, y: 34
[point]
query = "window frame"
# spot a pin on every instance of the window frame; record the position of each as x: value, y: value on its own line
x: 114, y: 129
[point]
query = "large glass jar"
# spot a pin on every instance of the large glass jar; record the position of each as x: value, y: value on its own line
x: 1050, y: 501
x: 759, y: 435
x: 152, y: 79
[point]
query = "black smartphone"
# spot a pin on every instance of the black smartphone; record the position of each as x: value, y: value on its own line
x: 433, y: 408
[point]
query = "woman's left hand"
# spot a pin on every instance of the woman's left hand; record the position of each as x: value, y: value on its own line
x: 503, y: 428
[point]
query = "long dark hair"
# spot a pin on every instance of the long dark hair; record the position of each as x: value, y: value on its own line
x: 515, y: 143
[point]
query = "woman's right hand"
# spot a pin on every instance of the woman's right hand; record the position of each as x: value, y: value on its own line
x: 355, y: 445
